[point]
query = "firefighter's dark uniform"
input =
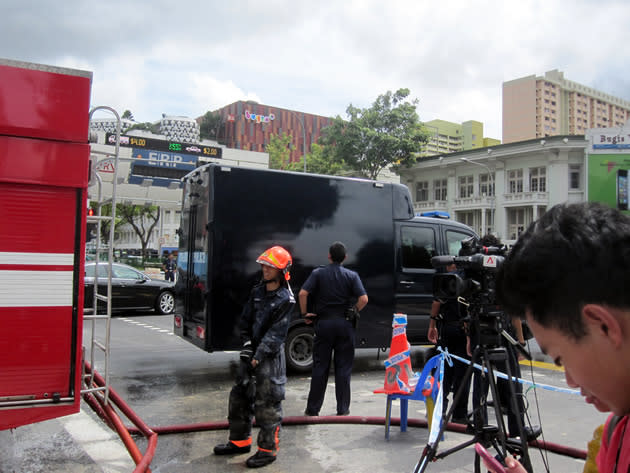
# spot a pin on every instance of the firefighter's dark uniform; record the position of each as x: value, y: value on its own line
x: 264, y: 321
x: 334, y: 289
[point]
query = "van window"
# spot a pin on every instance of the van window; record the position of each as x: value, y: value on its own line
x: 454, y: 241
x: 418, y: 247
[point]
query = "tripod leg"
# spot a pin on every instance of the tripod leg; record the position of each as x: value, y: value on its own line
x: 501, y: 354
x: 519, y: 415
x: 429, y: 452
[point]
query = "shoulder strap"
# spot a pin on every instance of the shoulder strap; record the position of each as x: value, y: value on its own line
x: 614, y: 420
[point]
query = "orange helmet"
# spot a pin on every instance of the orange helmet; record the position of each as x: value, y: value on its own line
x: 277, y: 257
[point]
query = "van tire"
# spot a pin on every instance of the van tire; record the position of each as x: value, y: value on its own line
x: 299, y: 349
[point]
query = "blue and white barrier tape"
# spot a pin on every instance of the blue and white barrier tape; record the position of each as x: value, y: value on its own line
x: 514, y: 378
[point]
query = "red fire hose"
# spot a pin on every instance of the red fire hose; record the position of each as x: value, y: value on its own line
x: 107, y: 413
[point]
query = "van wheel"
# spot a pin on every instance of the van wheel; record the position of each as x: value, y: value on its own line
x: 299, y: 349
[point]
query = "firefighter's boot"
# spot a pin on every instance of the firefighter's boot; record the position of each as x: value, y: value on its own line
x: 260, y: 458
x: 233, y: 447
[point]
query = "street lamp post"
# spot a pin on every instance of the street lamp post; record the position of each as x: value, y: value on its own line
x: 494, y: 201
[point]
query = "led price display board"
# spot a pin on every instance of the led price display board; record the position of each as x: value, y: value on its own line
x: 163, y: 145
x: 157, y: 164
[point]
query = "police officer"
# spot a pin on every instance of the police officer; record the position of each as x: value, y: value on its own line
x: 337, y: 292
x: 259, y: 388
x: 169, y: 266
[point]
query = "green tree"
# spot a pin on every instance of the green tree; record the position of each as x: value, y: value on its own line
x: 279, y: 152
x: 210, y: 126
x: 152, y: 127
x: 106, y: 210
x: 387, y: 133
x: 318, y: 163
x: 142, y: 219
x: 127, y: 115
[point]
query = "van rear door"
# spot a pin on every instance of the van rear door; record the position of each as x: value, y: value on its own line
x: 191, y: 287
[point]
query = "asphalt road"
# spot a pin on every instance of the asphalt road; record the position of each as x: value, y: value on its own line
x: 169, y: 382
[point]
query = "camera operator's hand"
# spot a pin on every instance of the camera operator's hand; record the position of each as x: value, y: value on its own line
x: 432, y: 335
x: 309, y: 318
x: 247, y: 351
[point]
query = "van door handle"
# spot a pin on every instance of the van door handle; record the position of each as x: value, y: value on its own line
x: 407, y: 282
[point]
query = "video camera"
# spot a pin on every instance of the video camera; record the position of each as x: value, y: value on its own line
x: 478, y: 264
x: 474, y: 284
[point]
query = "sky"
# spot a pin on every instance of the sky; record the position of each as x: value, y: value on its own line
x: 188, y: 57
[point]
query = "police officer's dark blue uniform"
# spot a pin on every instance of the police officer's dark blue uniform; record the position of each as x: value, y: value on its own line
x: 334, y: 289
x: 259, y: 388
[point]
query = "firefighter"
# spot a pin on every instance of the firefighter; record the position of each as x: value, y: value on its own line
x: 259, y: 388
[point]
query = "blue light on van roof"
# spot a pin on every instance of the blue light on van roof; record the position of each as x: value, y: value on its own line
x: 434, y: 214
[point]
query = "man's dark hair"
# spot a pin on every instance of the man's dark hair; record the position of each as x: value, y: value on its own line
x: 573, y: 255
x: 489, y: 240
x: 337, y: 252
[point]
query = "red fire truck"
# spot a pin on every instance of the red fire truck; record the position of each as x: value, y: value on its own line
x: 44, y: 159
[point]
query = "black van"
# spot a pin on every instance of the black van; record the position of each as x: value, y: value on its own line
x: 230, y: 215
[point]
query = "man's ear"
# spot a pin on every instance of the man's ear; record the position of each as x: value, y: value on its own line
x: 605, y: 321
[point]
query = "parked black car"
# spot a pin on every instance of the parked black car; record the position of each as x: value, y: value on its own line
x: 131, y: 289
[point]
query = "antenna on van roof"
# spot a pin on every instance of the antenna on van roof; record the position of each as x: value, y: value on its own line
x: 436, y: 214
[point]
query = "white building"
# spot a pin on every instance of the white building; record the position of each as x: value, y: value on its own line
x: 501, y: 189
x: 146, y: 191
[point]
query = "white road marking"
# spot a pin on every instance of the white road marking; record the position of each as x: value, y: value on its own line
x: 148, y: 326
x: 102, y: 445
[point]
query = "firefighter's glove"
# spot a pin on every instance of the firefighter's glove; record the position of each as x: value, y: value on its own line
x: 247, y: 351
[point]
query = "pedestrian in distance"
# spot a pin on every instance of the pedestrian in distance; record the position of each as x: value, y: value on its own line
x: 168, y: 266
x: 337, y: 297
x: 259, y: 388
x: 568, y: 275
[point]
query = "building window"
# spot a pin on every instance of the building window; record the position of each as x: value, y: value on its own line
x: 515, y: 181
x: 467, y: 218
x: 486, y: 185
x: 466, y: 187
x: 575, y: 176
x: 516, y: 222
x: 538, y: 179
x: 422, y: 191
x: 439, y: 189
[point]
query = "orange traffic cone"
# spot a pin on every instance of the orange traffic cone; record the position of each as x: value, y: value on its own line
x: 399, y: 377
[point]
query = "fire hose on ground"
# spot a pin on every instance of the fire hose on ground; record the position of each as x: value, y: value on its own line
x: 107, y: 413
x: 111, y: 418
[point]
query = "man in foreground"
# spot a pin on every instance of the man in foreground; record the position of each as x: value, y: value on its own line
x: 569, y: 275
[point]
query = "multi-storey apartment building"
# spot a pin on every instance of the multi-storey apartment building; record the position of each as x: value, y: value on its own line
x: 549, y: 105
x: 449, y: 137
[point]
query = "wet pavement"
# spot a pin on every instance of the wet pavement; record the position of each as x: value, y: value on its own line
x: 169, y: 382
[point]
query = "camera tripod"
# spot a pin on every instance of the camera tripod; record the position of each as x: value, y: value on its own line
x: 485, y: 355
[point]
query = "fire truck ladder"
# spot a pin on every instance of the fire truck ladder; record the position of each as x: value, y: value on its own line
x: 96, y: 313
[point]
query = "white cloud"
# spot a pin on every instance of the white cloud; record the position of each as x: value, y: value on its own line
x: 190, y: 57
x: 211, y: 93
